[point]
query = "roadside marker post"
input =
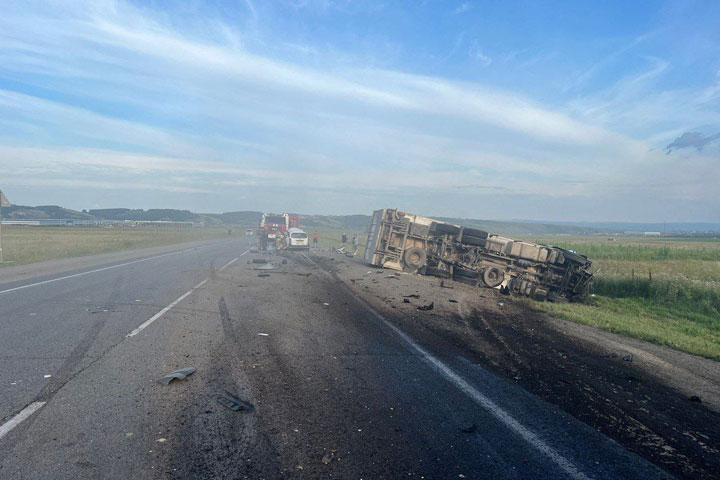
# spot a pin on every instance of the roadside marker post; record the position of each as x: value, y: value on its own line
x: 3, y: 203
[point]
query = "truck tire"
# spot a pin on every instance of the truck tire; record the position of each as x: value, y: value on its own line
x: 492, y: 277
x: 415, y: 258
x: 474, y: 232
x: 472, y: 241
x: 443, y: 228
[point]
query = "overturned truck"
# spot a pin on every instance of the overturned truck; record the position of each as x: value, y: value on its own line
x: 411, y: 243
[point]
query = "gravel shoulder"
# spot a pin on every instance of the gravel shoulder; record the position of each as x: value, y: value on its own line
x: 657, y: 402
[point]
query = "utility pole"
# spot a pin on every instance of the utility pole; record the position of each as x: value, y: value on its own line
x: 3, y: 203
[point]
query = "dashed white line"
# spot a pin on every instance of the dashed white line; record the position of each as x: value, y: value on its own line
x: 15, y: 421
x: 232, y: 261
x: 162, y: 312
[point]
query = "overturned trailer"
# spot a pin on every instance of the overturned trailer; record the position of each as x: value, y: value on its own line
x: 411, y: 243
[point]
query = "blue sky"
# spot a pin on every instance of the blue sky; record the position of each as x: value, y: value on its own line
x: 525, y: 110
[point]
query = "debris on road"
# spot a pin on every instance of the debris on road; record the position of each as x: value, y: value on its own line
x: 425, y: 308
x: 628, y: 357
x: 268, y: 266
x: 405, y: 300
x: 234, y: 403
x: 259, y: 260
x: 263, y: 274
x: 452, y: 301
x: 181, y: 374
x: 469, y: 428
x: 263, y: 334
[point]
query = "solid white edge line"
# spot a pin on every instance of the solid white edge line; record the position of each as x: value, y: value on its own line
x: 15, y: 421
x: 162, y: 312
x: 100, y: 269
x: 526, y: 434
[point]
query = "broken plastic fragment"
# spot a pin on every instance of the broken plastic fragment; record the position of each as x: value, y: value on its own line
x: 234, y: 403
x: 177, y: 375
x: 425, y: 308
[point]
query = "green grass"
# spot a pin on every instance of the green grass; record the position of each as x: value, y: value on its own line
x: 22, y: 245
x: 331, y: 237
x: 679, y: 307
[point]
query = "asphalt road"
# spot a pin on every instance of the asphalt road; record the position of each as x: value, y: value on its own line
x: 337, y: 389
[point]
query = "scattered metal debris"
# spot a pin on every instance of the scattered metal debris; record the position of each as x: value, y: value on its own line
x: 234, y: 403
x: 181, y: 374
x: 263, y: 334
x: 469, y: 428
x: 267, y: 266
x: 425, y: 308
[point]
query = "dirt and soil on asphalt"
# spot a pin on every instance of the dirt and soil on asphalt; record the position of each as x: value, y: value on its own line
x: 661, y: 404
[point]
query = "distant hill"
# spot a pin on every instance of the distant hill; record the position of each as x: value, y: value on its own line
x: 350, y: 222
x: 22, y: 212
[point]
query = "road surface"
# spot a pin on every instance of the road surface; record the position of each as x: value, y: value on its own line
x: 337, y: 389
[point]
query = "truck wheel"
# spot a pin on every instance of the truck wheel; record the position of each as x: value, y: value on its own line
x: 415, y: 258
x: 474, y: 232
x: 473, y: 241
x: 492, y: 277
x: 443, y: 228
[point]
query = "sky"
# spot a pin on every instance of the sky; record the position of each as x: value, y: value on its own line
x: 565, y: 111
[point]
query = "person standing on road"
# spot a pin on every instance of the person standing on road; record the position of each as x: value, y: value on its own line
x: 355, y: 244
x: 315, y: 238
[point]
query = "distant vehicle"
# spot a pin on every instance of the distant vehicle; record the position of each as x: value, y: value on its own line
x: 249, y: 232
x: 297, y: 239
x: 272, y: 223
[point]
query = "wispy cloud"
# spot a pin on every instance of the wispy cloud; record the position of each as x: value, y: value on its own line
x: 692, y: 140
x: 98, y: 94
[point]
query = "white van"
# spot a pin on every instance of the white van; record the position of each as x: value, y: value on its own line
x: 297, y: 239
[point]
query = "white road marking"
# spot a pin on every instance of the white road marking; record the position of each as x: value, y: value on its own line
x: 90, y: 271
x: 232, y: 261
x: 15, y: 421
x: 526, y: 434
x: 483, y: 401
x: 162, y: 312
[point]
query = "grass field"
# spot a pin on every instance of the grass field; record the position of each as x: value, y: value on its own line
x: 23, y: 245
x: 663, y: 290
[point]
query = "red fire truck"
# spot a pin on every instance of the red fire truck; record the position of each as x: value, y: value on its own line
x: 273, y: 224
